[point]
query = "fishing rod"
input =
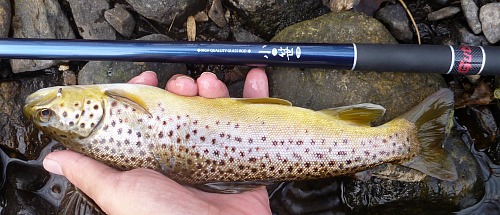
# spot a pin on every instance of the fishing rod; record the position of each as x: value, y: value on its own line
x: 466, y: 60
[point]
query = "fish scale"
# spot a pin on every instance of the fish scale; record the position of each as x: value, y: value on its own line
x: 200, y: 141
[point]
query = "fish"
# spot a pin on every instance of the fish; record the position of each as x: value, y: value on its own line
x: 232, y: 145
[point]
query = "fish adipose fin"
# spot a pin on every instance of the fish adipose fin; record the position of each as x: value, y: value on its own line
x: 232, y: 187
x: 361, y: 114
x: 432, y: 118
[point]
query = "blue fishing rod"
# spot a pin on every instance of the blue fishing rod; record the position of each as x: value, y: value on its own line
x: 466, y: 60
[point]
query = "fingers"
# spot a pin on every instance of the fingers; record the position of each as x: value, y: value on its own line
x: 256, y: 84
x: 182, y: 85
x: 211, y: 87
x: 147, y: 78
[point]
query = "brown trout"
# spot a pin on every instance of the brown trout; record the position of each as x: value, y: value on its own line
x: 232, y: 145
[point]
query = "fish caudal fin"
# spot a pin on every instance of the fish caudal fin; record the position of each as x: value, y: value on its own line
x: 432, y: 119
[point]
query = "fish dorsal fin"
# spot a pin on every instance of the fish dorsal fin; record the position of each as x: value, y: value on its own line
x: 128, y: 98
x: 362, y: 114
x: 275, y: 101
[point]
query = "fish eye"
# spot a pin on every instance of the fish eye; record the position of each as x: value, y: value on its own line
x: 44, y: 115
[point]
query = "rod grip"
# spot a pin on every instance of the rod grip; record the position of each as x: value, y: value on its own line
x: 403, y: 58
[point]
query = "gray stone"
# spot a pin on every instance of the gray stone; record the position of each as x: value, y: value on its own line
x: 443, y: 13
x: 490, y: 16
x: 471, y: 13
x: 242, y: 35
x: 396, y: 20
x: 268, y: 17
x: 468, y: 38
x: 216, y: 14
x: 167, y: 11
x: 49, y: 22
x: 89, y: 18
x: 5, y: 17
x: 104, y: 72
x: 326, y: 88
x: 121, y: 20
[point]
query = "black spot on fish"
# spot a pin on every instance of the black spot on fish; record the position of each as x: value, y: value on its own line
x: 113, y: 123
x: 164, y: 122
x: 113, y: 104
x: 126, y: 142
x: 252, y: 160
x: 271, y: 168
x: 367, y: 153
x: 96, y: 107
x: 120, y: 131
x: 263, y: 138
x: 111, y: 140
x: 188, y: 136
x: 341, y: 166
x: 348, y: 162
x: 82, y: 125
x: 231, y: 159
x: 253, y: 170
x: 213, y: 141
x: 242, y: 154
x: 92, y: 125
x: 241, y: 167
x: 384, y: 141
x: 129, y: 131
x: 307, y: 164
x: 65, y: 114
x: 331, y: 163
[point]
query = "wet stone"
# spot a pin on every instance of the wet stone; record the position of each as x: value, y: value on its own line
x: 443, y: 13
x: 104, y: 72
x: 121, y: 20
x: 89, y: 19
x: 469, y: 38
x: 490, y: 16
x: 395, y: 18
x: 384, y: 195
x: 26, y: 177
x: 242, y: 35
x: 24, y: 202
x: 17, y: 134
x: 50, y: 22
x: 268, y: 17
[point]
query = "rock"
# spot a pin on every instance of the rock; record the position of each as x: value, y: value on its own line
x: 471, y: 13
x: 201, y: 17
x: 395, y: 18
x: 242, y: 35
x: 17, y: 134
x: 89, y: 18
x: 441, y: 2
x: 49, y: 22
x: 384, y: 195
x: 103, y: 72
x: 24, y: 202
x: 443, y: 13
x: 270, y: 16
x: 468, y: 38
x: 490, y: 16
x: 26, y: 177
x: 326, y: 88
x: 5, y: 17
x: 167, y: 11
x: 121, y: 20
x: 216, y: 13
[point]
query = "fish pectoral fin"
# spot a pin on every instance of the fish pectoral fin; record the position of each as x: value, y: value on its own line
x: 128, y: 98
x: 232, y: 187
x: 362, y: 114
x: 275, y: 101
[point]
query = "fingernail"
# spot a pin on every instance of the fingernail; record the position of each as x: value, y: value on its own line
x: 184, y: 77
x: 52, y: 166
x: 209, y: 73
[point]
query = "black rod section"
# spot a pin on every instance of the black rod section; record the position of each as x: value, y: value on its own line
x: 367, y: 57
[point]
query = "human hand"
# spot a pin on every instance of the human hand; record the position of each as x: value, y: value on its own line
x: 144, y: 191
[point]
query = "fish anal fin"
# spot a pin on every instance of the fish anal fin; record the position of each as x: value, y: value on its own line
x: 129, y: 99
x: 275, y: 101
x: 231, y: 187
x: 362, y: 114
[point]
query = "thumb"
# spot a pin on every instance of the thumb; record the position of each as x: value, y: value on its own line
x: 90, y: 176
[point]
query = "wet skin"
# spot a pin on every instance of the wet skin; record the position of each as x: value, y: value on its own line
x: 143, y: 191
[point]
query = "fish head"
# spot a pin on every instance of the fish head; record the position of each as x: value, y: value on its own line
x: 66, y: 113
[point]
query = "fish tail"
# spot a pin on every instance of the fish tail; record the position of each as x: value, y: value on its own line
x: 433, y: 120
